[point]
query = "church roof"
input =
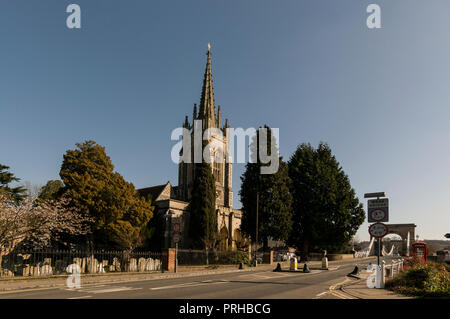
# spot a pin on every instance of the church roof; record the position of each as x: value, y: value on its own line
x: 154, y: 191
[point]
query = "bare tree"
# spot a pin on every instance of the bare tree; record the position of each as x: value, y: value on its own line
x: 39, y: 221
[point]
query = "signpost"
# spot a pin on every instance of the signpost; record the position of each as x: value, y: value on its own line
x: 377, y: 213
x: 176, y: 237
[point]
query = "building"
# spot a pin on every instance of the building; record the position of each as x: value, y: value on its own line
x: 172, y: 202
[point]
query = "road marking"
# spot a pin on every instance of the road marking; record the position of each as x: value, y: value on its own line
x: 102, y: 291
x: 95, y: 290
x: 190, y: 284
x: 265, y: 275
x: 338, y: 293
x: 82, y: 297
x: 322, y: 293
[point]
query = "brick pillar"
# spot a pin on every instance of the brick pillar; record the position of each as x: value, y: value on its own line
x: 268, y: 257
x: 168, y: 259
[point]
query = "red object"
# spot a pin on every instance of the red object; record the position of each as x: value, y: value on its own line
x: 419, y: 251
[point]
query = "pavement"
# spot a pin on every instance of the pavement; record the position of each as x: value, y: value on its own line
x: 254, y: 282
x: 357, y: 289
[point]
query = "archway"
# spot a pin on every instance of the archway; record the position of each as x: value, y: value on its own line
x: 407, y: 235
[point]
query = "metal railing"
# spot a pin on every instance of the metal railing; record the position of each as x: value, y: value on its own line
x: 188, y: 257
x: 392, y: 268
x: 55, y: 262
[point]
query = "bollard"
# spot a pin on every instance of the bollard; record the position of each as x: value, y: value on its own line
x: 324, y: 263
x: 354, y: 272
x: 382, y: 279
x: 278, y: 269
x: 306, y: 268
x: 392, y: 269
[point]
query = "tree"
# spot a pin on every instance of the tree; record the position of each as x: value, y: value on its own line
x: 120, y: 215
x: 6, y: 177
x: 203, y: 218
x: 274, y: 198
x: 39, y: 222
x: 327, y: 212
x: 51, y: 190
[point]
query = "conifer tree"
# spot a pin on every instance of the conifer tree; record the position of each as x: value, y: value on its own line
x: 203, y: 218
x: 17, y: 193
x: 120, y: 214
x: 274, y: 198
x: 327, y: 212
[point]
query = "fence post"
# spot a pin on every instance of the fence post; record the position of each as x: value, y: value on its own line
x: 268, y: 257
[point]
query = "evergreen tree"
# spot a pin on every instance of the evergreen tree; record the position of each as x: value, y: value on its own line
x: 120, y: 214
x: 274, y: 198
x: 52, y: 190
x: 203, y: 218
x: 16, y: 193
x: 327, y: 212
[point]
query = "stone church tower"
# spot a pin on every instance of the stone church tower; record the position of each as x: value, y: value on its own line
x: 221, y: 169
x: 172, y: 202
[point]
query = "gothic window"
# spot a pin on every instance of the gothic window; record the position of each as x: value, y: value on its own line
x: 217, y: 172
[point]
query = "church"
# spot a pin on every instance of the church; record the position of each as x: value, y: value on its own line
x: 172, y: 202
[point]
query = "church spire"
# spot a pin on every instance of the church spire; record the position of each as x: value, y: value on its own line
x: 207, y: 107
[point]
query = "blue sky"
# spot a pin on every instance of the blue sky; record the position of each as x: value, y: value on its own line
x: 379, y: 98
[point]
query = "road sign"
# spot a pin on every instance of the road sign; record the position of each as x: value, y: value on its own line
x: 378, y: 230
x: 373, y: 195
x: 176, y: 237
x: 378, y: 215
x: 378, y: 210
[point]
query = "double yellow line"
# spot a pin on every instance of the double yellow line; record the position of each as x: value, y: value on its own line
x: 335, y: 292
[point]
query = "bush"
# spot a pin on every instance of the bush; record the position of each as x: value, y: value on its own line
x: 233, y: 258
x: 430, y: 280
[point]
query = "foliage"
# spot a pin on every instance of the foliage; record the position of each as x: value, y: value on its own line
x: 274, y: 198
x: 233, y: 258
x: 203, y: 218
x: 422, y: 280
x: 15, y: 193
x: 120, y: 215
x: 327, y: 212
x: 39, y: 222
x: 51, y: 190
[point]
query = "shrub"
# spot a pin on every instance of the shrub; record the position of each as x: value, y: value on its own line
x: 422, y: 280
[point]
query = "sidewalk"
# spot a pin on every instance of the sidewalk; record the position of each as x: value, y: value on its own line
x: 21, y: 283
x: 357, y: 289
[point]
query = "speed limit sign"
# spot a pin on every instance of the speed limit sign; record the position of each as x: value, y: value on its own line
x: 378, y: 230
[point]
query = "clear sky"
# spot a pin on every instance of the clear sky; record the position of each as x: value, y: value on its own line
x: 380, y: 98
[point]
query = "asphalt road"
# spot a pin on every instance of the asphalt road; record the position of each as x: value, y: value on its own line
x: 256, y: 284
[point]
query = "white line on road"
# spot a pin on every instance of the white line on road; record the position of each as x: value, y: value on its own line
x: 102, y: 291
x: 82, y: 297
x: 321, y: 294
x: 189, y: 284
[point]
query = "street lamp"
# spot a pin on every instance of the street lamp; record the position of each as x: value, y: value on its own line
x: 257, y: 222
x: 256, y: 237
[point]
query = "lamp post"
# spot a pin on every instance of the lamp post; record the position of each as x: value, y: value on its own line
x: 256, y: 236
